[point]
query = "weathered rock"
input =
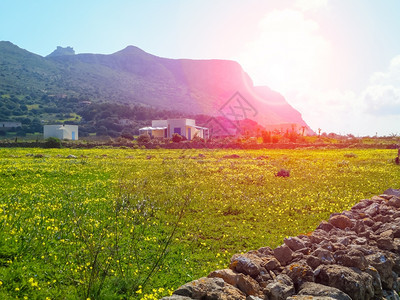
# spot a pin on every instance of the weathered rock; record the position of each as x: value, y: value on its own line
x: 245, y: 283
x: 383, y: 219
x: 313, y: 261
x: 210, y: 288
x: 385, y: 196
x: 359, y: 226
x: 394, y: 201
x: 303, y: 297
x: 338, y: 246
x: 176, y: 297
x: 326, y: 245
x: 318, y: 236
x: 396, y: 282
x: 270, y: 263
x: 360, y: 241
x: 281, y: 288
x: 283, y: 173
x: 253, y: 298
x: 372, y: 210
x: 352, y: 281
x: 378, y: 199
x: 384, y: 265
x: 368, y: 222
x: 390, y: 295
x: 324, y: 255
x: 396, y: 264
x: 393, y: 192
x: 71, y: 156
x: 304, y: 251
x: 297, y: 256
x: 324, y: 225
x: 294, y: 243
x: 228, y: 275
x: 249, y: 264
x: 352, y: 258
x: 319, y: 290
x: 345, y: 240
x: 283, y: 254
x: 299, y: 272
x: 376, y: 281
x: 265, y: 251
x: 385, y: 243
x: 387, y: 233
x: 393, y: 226
x: 248, y: 285
x: 362, y: 204
x: 376, y: 226
x: 341, y: 221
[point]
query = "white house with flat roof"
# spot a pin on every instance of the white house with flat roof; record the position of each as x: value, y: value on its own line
x: 63, y: 132
x: 166, y: 128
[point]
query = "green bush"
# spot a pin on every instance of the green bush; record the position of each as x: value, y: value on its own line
x: 52, y: 142
x: 143, y: 139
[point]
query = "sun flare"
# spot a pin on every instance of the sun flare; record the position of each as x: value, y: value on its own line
x: 288, y: 53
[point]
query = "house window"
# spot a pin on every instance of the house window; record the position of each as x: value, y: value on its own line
x: 177, y: 130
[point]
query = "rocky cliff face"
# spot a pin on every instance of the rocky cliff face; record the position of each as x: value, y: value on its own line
x: 355, y: 255
x: 60, y: 51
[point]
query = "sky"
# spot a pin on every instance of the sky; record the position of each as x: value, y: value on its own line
x: 336, y: 61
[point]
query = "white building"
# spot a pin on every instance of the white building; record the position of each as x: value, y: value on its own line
x: 63, y: 132
x: 183, y: 127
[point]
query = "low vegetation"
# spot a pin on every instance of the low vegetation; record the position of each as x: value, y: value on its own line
x: 134, y: 223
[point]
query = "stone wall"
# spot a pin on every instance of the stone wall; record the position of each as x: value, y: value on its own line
x: 355, y: 255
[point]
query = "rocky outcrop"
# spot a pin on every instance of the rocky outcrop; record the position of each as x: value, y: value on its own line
x: 354, y: 255
x: 60, y: 51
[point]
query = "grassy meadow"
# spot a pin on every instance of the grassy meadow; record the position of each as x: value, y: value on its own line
x: 135, y: 224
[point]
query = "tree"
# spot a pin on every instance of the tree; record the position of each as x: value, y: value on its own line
x: 143, y: 139
x: 102, y: 130
x: 176, y: 138
x: 266, y: 136
x: 127, y: 135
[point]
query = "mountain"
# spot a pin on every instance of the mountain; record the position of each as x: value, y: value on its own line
x: 132, y: 76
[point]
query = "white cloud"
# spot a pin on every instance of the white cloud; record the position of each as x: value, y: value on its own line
x: 375, y: 110
x: 343, y: 112
x: 332, y: 111
x: 382, y: 96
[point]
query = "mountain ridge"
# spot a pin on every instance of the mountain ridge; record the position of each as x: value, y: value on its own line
x: 133, y: 76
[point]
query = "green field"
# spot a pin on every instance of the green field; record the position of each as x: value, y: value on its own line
x: 124, y: 223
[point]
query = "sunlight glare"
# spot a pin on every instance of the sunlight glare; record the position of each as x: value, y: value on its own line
x: 288, y: 53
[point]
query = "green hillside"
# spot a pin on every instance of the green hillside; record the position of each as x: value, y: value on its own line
x: 63, y: 87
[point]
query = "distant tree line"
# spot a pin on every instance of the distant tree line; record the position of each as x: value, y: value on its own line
x: 104, y: 119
